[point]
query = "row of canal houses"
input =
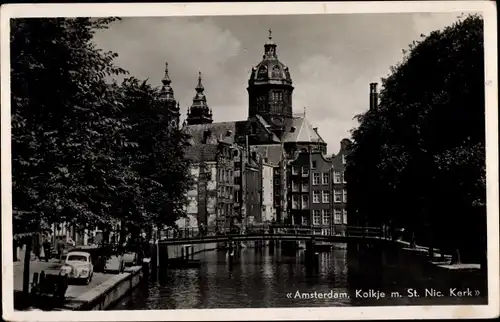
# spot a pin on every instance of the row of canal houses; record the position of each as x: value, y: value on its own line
x: 250, y: 185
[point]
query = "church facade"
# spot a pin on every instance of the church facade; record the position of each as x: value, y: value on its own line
x: 272, y: 134
x: 252, y: 161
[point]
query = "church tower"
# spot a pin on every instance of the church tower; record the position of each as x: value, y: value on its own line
x: 168, y: 99
x: 199, y: 112
x: 270, y: 89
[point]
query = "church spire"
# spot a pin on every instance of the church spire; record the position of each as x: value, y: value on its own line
x: 199, y: 112
x: 199, y: 87
x: 166, y: 92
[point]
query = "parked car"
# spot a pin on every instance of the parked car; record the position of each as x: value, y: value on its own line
x: 133, y: 257
x: 114, y: 264
x: 78, y: 266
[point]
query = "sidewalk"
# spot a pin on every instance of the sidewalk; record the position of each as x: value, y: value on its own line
x: 51, y: 267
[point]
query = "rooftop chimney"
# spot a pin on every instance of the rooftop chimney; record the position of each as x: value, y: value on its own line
x: 373, y: 96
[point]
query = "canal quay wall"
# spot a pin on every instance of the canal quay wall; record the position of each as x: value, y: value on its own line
x: 399, y: 254
x: 107, y: 293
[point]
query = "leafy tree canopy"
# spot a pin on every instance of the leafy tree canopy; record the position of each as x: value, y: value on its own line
x: 418, y: 159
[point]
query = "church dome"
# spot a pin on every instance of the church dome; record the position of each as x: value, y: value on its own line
x: 270, y: 70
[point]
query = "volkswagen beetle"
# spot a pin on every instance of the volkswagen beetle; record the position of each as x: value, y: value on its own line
x: 78, y: 266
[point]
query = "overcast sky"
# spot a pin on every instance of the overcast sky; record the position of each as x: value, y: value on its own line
x: 332, y: 58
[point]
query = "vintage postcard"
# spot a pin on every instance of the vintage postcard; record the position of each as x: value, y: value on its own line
x: 249, y: 161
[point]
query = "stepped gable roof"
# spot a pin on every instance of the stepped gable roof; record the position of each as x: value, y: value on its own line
x: 273, y: 152
x: 298, y: 129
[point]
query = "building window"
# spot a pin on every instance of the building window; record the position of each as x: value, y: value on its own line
x: 315, y: 179
x: 326, y: 232
x: 344, y: 216
x: 230, y: 175
x: 326, y: 196
x: 326, y: 178
x: 343, y: 159
x: 305, y: 171
x: 295, y: 170
x: 313, y: 165
x: 305, y: 202
x: 337, y: 216
x: 295, y: 186
x: 337, y: 195
x: 295, y: 202
x: 344, y: 195
x: 326, y: 216
x: 336, y: 177
x: 316, y: 217
x: 316, y: 197
x: 305, y: 186
x: 304, y: 221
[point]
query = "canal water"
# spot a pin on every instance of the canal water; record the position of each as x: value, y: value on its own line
x: 259, y: 278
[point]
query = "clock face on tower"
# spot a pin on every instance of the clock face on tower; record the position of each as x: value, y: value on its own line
x: 277, y: 120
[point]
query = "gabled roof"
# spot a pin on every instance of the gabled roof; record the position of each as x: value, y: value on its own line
x: 220, y: 131
x: 273, y: 152
x: 298, y: 129
x: 205, y: 152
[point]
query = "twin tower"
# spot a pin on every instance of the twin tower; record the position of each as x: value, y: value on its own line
x: 269, y: 93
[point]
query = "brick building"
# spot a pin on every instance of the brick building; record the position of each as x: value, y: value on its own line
x: 339, y: 188
x: 310, y: 204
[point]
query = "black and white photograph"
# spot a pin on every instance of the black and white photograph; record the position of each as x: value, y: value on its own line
x: 317, y: 161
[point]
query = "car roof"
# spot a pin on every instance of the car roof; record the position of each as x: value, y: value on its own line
x: 79, y: 253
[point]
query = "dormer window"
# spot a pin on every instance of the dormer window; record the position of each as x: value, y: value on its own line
x: 206, y: 136
x: 263, y: 71
x: 292, y: 129
x: 276, y: 72
x: 228, y: 133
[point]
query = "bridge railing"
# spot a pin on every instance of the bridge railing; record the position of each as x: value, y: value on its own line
x: 195, y: 233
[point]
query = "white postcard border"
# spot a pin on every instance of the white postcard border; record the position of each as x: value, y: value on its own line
x: 488, y: 11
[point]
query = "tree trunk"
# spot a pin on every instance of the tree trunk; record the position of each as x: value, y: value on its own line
x: 27, y: 260
x: 412, y: 241
x: 455, y: 258
x: 431, y: 244
x: 14, y: 250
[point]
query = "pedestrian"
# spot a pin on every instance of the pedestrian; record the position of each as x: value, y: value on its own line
x: 42, y: 255
x: 36, y: 250
x: 60, y: 248
x: 202, y: 229
x: 46, y: 248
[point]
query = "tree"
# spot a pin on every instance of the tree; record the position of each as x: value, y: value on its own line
x: 66, y: 125
x: 418, y: 159
x: 157, y: 159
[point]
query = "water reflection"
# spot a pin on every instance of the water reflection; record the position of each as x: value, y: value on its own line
x: 263, y: 277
